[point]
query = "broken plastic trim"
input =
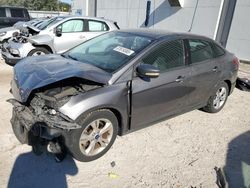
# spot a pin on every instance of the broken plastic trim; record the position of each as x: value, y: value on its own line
x: 29, y: 118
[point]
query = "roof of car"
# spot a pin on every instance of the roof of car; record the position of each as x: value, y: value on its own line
x: 157, y: 33
x: 8, y: 6
x: 85, y: 17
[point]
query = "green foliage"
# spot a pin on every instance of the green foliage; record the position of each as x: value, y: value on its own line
x: 46, y: 5
x: 64, y: 7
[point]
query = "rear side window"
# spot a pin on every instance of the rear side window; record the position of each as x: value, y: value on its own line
x: 200, y: 50
x: 72, y: 26
x: 218, y: 51
x: 97, y: 26
x: 2, y: 12
x: 166, y: 56
x: 17, y: 13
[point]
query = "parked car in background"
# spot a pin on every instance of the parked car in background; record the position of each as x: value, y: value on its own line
x: 10, y: 15
x: 61, y: 34
x: 116, y: 83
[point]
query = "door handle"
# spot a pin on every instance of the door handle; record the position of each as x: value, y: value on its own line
x: 215, y: 69
x: 180, y: 79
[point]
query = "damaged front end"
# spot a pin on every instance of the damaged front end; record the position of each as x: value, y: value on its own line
x: 38, y: 121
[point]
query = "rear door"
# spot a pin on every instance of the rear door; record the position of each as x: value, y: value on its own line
x: 205, y: 70
x: 73, y: 34
x: 95, y: 28
x: 157, y: 98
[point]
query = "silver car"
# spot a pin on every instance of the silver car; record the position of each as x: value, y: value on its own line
x: 7, y: 33
x: 56, y: 35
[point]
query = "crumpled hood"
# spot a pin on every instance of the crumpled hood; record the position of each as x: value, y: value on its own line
x: 35, y: 72
x: 33, y: 28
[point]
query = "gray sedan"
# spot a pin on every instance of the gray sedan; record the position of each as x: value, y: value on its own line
x: 114, y: 84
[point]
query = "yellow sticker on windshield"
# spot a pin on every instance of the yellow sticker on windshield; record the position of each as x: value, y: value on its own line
x: 123, y: 50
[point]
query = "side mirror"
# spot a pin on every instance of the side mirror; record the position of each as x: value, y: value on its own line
x: 148, y: 71
x: 58, y: 31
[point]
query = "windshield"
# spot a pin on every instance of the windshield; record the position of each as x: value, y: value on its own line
x: 49, y: 22
x: 110, y: 51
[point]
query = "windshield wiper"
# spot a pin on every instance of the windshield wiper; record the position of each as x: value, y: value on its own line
x: 63, y: 55
x: 71, y: 57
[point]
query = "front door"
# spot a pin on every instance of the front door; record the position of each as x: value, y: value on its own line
x: 95, y: 28
x: 157, y: 98
x: 73, y: 34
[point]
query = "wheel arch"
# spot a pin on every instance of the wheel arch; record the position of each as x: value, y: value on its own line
x: 115, y: 111
x: 44, y: 46
x: 119, y: 119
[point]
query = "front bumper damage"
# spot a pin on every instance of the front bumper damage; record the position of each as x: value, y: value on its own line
x: 45, y: 124
x: 8, y: 57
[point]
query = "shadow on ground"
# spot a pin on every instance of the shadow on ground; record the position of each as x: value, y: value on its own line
x: 237, y: 169
x: 31, y: 171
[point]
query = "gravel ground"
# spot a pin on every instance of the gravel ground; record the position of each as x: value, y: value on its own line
x: 181, y: 152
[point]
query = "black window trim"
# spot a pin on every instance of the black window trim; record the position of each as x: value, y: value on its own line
x: 14, y: 9
x: 87, y: 22
x: 8, y: 13
x: 84, y: 25
x: 5, y: 11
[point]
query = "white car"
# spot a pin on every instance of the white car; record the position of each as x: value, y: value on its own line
x: 7, y: 33
x: 56, y: 35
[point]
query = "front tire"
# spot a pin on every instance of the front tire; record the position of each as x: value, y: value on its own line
x: 217, y: 101
x: 94, y: 139
x: 39, y: 51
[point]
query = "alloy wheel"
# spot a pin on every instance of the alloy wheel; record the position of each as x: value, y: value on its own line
x: 220, y: 98
x: 96, y: 137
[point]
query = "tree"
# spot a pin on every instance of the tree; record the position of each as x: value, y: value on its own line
x: 64, y: 7
x: 46, y: 5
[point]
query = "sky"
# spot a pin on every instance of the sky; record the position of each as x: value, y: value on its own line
x: 67, y: 1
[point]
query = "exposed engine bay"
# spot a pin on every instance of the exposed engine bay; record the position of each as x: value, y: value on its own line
x: 44, y: 103
x: 21, y: 37
x: 39, y: 121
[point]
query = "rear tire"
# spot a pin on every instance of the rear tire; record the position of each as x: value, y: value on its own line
x: 217, y: 101
x: 93, y: 140
x: 39, y: 51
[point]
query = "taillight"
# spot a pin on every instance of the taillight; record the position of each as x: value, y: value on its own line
x: 236, y: 62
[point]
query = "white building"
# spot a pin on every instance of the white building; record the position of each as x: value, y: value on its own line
x: 227, y: 21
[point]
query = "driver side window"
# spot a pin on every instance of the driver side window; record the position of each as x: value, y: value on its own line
x: 72, y: 26
x: 166, y: 56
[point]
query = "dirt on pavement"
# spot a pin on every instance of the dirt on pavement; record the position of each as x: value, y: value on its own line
x: 180, y: 152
